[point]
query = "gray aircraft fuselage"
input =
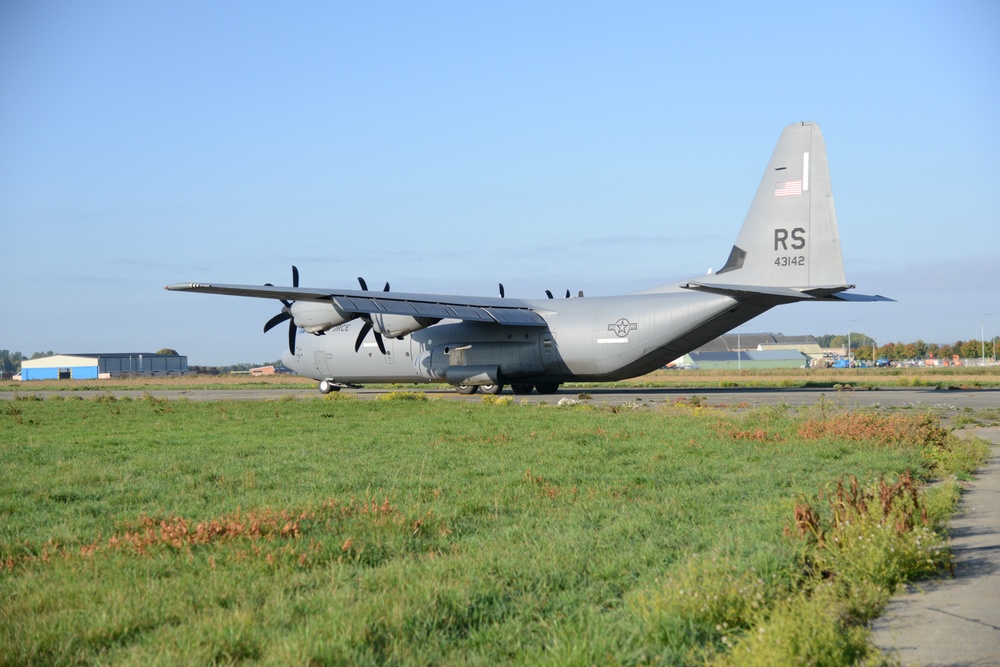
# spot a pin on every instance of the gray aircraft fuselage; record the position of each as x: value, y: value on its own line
x: 587, y: 339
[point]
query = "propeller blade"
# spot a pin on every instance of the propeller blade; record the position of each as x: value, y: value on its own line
x: 386, y: 288
x: 286, y: 313
x: 361, y: 335
x: 276, y: 320
x: 567, y: 294
x: 364, y: 285
x: 288, y: 304
x: 501, y: 290
x: 380, y: 343
x: 548, y: 294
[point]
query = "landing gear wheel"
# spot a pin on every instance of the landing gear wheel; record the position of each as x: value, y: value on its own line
x: 547, y: 388
x: 522, y: 389
x: 491, y: 388
x: 467, y: 389
x: 325, y: 387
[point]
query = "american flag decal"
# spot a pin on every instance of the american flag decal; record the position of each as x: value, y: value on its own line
x: 788, y: 189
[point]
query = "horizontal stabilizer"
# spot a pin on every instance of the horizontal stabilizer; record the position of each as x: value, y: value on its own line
x: 785, y: 294
x: 740, y: 291
x: 851, y: 296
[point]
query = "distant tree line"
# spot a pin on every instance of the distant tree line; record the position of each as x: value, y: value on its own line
x: 861, y: 346
x: 10, y: 362
x: 235, y: 368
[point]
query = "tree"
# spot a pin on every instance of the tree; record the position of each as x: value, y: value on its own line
x: 970, y: 349
x: 10, y: 362
x: 169, y: 350
x: 860, y: 341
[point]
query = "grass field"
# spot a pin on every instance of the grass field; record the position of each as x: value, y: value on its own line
x: 409, y: 531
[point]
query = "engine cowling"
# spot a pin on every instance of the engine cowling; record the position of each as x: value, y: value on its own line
x: 316, y: 317
x: 395, y: 326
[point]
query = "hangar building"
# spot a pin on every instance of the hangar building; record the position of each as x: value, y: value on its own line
x: 94, y: 366
x: 746, y: 360
x: 754, y: 350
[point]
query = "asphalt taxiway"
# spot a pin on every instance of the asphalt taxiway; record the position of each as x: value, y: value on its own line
x: 955, y: 620
x: 946, y: 401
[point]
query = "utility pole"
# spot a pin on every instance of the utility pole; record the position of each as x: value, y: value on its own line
x: 739, y: 357
x: 982, y: 338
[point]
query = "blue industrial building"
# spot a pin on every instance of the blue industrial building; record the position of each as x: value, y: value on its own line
x: 102, y: 365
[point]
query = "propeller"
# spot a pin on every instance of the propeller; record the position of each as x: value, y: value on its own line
x: 501, y: 291
x: 285, y: 314
x: 368, y: 326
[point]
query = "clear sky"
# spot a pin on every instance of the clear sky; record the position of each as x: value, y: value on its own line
x: 448, y: 146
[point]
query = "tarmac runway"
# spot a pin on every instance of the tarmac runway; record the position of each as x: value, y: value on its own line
x: 945, y: 401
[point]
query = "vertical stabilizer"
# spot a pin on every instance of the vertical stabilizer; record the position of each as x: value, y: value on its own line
x: 789, y: 237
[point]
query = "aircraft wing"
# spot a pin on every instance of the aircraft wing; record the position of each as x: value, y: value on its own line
x: 514, y: 312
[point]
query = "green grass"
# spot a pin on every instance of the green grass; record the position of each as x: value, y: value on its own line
x: 333, y: 531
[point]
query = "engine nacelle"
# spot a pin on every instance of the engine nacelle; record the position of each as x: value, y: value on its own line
x: 395, y: 326
x: 316, y: 317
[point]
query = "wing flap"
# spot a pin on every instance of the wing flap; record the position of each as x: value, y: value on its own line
x: 515, y: 317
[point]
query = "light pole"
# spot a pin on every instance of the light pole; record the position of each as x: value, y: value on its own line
x: 982, y: 337
x: 739, y: 356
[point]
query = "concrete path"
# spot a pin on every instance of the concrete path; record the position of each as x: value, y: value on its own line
x: 956, y: 621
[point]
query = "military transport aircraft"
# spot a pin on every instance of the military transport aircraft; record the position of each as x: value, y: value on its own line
x: 788, y: 250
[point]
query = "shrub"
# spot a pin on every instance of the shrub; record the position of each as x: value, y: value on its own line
x: 403, y: 396
x: 804, y: 630
x: 493, y: 399
x: 870, y: 540
x: 707, y: 599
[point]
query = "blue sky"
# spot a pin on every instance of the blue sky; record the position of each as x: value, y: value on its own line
x: 446, y: 147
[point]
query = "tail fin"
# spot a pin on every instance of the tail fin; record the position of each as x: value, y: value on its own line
x: 789, y: 238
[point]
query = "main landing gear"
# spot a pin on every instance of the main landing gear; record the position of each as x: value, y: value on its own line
x: 519, y: 389
x: 469, y: 389
x: 325, y: 387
